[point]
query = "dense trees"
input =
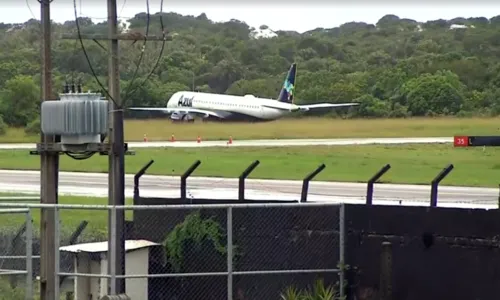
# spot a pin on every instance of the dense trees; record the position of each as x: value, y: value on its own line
x: 395, y: 68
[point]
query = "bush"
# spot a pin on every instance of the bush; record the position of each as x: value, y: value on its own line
x: 193, y: 229
x: 3, y: 126
x: 33, y: 127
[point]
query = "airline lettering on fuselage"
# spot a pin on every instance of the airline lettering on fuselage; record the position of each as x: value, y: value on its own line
x: 185, y: 101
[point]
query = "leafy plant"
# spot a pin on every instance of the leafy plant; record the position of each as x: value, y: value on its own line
x: 194, y: 229
x: 291, y: 293
x: 318, y: 292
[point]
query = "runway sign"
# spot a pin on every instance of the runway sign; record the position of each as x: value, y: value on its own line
x: 476, y: 141
x: 460, y: 141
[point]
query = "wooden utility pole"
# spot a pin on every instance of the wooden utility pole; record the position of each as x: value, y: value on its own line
x: 116, y: 179
x: 116, y: 160
x: 49, y: 171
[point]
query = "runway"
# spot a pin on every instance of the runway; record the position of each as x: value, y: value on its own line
x: 266, y: 143
x: 95, y: 184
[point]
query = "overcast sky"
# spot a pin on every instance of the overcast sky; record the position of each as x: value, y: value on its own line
x: 278, y: 15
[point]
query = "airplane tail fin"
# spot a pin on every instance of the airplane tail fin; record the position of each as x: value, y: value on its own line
x: 287, y: 91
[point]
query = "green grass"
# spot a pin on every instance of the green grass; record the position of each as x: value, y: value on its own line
x: 70, y: 218
x: 415, y: 164
x: 296, y: 128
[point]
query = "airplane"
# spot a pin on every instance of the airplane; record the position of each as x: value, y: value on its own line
x: 222, y: 107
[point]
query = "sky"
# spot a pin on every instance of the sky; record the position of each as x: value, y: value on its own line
x: 295, y: 16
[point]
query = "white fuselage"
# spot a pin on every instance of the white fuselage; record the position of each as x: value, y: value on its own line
x: 230, y: 105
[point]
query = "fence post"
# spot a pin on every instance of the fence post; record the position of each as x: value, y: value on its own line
x: 185, y: 176
x: 369, y: 189
x: 29, y: 259
x: 229, y: 253
x: 138, y: 175
x: 435, y: 182
x: 305, y: 183
x: 499, y: 196
x: 74, y: 237
x: 57, y: 241
x: 112, y: 254
x: 341, y: 249
x: 386, y: 272
x: 243, y: 176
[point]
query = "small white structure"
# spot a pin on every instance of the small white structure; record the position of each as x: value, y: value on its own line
x: 91, y: 258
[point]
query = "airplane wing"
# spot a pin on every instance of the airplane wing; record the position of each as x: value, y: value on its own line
x: 324, y: 105
x: 179, y: 109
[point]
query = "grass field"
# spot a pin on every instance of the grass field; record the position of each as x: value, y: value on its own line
x: 70, y: 218
x: 416, y: 164
x: 296, y: 128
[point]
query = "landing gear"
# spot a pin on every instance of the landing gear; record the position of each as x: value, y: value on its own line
x: 187, y: 118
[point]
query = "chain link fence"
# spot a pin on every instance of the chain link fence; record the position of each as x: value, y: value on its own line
x: 215, y: 251
x: 17, y: 281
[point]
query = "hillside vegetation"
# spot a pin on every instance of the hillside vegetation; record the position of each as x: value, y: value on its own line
x: 394, y: 68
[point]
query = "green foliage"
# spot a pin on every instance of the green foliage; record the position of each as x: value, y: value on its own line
x: 194, y: 229
x: 395, y: 68
x: 10, y: 292
x: 3, y: 126
x: 33, y: 127
x: 19, y: 100
x: 318, y: 292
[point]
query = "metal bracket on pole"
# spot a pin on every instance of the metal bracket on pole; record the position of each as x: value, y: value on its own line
x: 184, y: 177
x: 243, y: 176
x: 115, y: 297
x: 305, y: 183
x: 101, y: 148
x: 369, y: 189
x: 435, y: 182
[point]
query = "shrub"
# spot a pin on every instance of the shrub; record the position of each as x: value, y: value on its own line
x: 3, y: 126
x: 193, y: 229
x: 33, y: 127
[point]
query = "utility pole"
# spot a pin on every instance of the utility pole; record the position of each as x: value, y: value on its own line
x: 116, y: 173
x: 116, y: 159
x: 49, y: 171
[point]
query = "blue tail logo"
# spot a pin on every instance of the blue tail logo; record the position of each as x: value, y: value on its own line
x: 287, y: 91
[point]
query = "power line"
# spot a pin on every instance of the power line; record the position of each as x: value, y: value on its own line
x: 29, y: 7
x: 162, y: 47
x: 88, y: 59
x: 142, y: 53
x: 123, y: 6
x: 164, y: 39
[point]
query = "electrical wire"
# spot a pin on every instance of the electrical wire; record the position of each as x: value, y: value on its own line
x: 161, y: 51
x: 29, y: 7
x: 142, y: 53
x: 88, y: 59
x: 80, y: 156
x: 123, y: 6
x: 87, y: 154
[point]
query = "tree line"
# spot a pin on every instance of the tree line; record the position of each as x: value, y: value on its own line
x: 394, y: 68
